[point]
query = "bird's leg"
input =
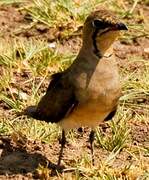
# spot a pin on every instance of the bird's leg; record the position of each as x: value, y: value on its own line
x: 63, y: 142
x: 91, y: 140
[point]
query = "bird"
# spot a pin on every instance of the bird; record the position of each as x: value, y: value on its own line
x: 88, y: 91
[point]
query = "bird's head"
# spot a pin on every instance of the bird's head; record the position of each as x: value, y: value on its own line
x: 100, y: 30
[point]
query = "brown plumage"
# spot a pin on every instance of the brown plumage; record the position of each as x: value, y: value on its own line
x: 87, y: 92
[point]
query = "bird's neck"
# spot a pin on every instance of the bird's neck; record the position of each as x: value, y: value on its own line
x: 87, y: 60
x: 108, y: 52
x: 87, y: 63
x: 89, y: 55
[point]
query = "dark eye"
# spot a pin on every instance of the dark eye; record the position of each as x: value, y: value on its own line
x: 99, y: 24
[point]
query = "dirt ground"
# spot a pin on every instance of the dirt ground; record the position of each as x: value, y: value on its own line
x: 20, y: 160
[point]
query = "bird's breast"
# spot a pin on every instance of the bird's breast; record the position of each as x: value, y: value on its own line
x: 90, y: 114
x: 101, y: 85
x: 96, y: 96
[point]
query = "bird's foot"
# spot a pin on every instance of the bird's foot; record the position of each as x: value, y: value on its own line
x: 91, y: 140
x: 56, y: 169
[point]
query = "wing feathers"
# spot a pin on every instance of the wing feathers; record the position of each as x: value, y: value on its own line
x: 57, y: 101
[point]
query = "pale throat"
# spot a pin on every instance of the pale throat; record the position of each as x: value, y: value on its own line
x: 105, y: 41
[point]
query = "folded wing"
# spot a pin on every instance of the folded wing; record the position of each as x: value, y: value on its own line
x: 57, y: 102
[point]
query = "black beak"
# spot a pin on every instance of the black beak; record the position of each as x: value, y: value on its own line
x: 121, y: 26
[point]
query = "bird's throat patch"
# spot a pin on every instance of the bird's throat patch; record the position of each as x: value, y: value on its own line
x: 105, y: 40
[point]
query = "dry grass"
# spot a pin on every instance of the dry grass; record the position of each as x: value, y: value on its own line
x: 26, y: 65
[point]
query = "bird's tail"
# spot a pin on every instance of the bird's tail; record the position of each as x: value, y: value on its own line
x: 31, y: 111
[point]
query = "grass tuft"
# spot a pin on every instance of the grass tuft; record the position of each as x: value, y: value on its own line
x: 118, y: 135
x: 25, y: 68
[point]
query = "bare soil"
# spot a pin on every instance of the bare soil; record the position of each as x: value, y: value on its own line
x: 20, y: 160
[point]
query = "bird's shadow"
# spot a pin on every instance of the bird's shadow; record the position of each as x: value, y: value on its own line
x: 14, y: 160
